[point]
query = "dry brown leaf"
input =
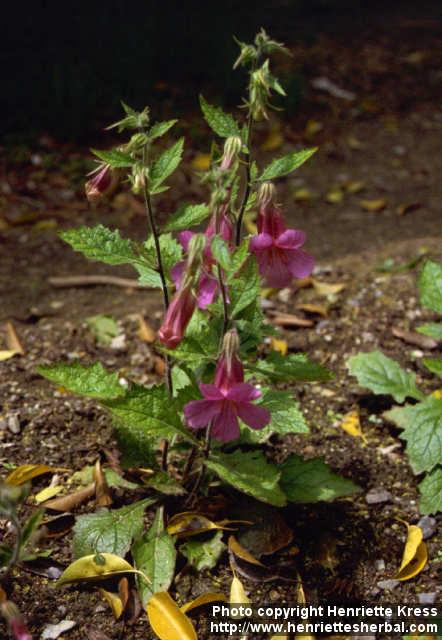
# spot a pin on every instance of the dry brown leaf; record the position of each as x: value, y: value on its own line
x: 414, y: 338
x: 318, y: 309
x: 373, y: 205
x: 145, y: 331
x: 72, y: 500
x: 103, y: 495
x: 327, y: 288
x: 12, y: 341
x: 59, y: 525
x: 167, y: 620
x: 160, y: 366
x: 402, y: 209
x: 242, y: 553
x: 289, y: 320
x: 354, y: 186
x: 415, y: 554
x: 354, y: 143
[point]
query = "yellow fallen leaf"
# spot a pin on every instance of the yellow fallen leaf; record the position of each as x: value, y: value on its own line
x: 273, y: 141
x: 242, y: 553
x: 279, y: 345
x: 301, y: 599
x: 354, y: 186
x: 237, y: 593
x: 191, y: 523
x: 415, y: 554
x: 302, y: 194
x: 334, y: 196
x: 27, y: 472
x: 351, y: 424
x: 327, y: 288
x: 313, y: 127
x: 354, y: 143
x: 145, y: 331
x: 373, y: 205
x: 6, y: 354
x: 114, y: 601
x: 201, y: 161
x: 204, y: 598
x: 167, y: 620
x: 47, y: 493
x: 96, y: 567
x: 402, y: 209
x: 12, y: 340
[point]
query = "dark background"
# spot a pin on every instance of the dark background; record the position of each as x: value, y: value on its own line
x: 66, y: 65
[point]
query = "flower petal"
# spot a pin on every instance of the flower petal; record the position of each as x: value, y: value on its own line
x: 274, y: 268
x: 226, y: 425
x: 207, y: 290
x: 260, y: 242
x: 200, y: 412
x: 243, y: 392
x: 301, y: 263
x: 254, y: 417
x: 211, y: 392
x: 184, y: 238
x: 291, y: 239
x: 177, y: 272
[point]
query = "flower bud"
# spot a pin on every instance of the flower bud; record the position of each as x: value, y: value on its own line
x: 178, y: 316
x: 195, y: 254
x: 247, y: 55
x: 100, y: 184
x: 15, y: 621
x: 232, y: 148
x: 266, y: 194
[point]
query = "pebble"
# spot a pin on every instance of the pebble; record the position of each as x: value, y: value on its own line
x: 274, y: 595
x: 427, y: 598
x: 388, y: 585
x: 428, y: 526
x: 119, y: 342
x: 378, y: 496
x: 53, y: 631
x: 380, y: 565
x: 14, y: 424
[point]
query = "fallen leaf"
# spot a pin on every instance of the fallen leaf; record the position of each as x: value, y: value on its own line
x: 12, y: 341
x: 237, y: 592
x: 313, y: 127
x: 402, y: 209
x: 414, y: 338
x: 318, y: 309
x: 104, y: 328
x: 334, y: 196
x: 289, y: 320
x: 145, y: 331
x: 27, y: 472
x: 279, y: 345
x: 327, y: 288
x: 95, y: 567
x: 47, y: 493
x: 240, y: 552
x: 191, y: 523
x: 5, y: 355
x: 102, y: 492
x: 160, y: 366
x: 167, y: 620
x: 59, y: 525
x: 273, y: 141
x: 373, y: 205
x: 354, y: 143
x: 269, y: 532
x: 54, y: 631
x: 301, y: 600
x: 351, y: 424
x: 204, y: 598
x: 72, y: 500
x: 415, y: 554
x: 114, y: 601
x: 354, y: 186
x: 302, y: 194
x: 201, y: 161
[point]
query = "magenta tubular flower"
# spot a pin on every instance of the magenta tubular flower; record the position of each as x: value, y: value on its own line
x: 208, y: 282
x: 278, y: 250
x: 100, y: 184
x: 15, y: 620
x: 228, y: 399
x: 177, y: 317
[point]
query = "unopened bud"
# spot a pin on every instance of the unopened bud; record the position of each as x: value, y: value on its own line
x: 195, y: 254
x: 247, y: 55
x: 232, y: 148
x: 138, y: 180
x: 230, y: 345
x: 266, y: 194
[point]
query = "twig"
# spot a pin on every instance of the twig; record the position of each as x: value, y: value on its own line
x: 93, y: 280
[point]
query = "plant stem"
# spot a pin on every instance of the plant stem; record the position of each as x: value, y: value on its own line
x: 16, y: 550
x: 248, y: 179
x: 202, y: 469
x: 222, y: 287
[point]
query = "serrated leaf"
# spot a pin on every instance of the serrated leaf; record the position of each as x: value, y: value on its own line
x: 382, y: 375
x: 150, y: 410
x: 246, y: 288
x: 109, y: 531
x: 167, y: 620
x: 431, y: 492
x: 203, y: 555
x: 136, y: 445
x: 432, y: 329
x: 221, y: 253
x: 430, y: 286
x: 93, y: 380
x: 171, y: 253
x: 188, y: 215
x: 154, y: 554
x: 164, y: 483
x: 95, y: 567
x: 286, y: 417
x: 434, y: 365
x: 223, y: 124
x: 288, y: 163
x: 115, y: 158
x: 250, y: 473
x: 160, y: 128
x: 423, y: 434
x: 166, y: 164
x: 293, y: 367
x: 313, y: 481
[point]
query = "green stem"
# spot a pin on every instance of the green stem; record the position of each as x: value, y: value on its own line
x: 248, y: 180
x: 16, y: 550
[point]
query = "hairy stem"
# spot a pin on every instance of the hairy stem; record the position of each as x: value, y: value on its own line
x: 248, y: 180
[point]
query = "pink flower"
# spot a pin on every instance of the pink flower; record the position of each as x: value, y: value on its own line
x: 12, y: 615
x: 278, y: 250
x: 177, y: 317
x: 100, y: 184
x: 208, y: 282
x: 228, y: 399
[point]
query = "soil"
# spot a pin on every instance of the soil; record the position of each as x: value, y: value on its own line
x: 386, y: 138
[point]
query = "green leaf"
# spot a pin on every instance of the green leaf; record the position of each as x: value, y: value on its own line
x: 430, y: 286
x: 220, y: 122
x: 285, y: 411
x: 166, y: 164
x: 103, y: 327
x: 86, y: 380
x: 282, y: 166
x: 382, y: 375
x: 434, y: 365
x: 432, y: 329
x: 201, y: 343
x: 115, y: 158
x: 164, y: 483
x: 238, y: 257
x: 171, y: 253
x: 154, y: 554
x: 136, y: 445
x: 86, y: 475
x: 249, y: 472
x: 294, y: 367
x: 109, y: 531
x: 221, y: 253
x: 31, y: 524
x: 246, y: 288
x: 423, y: 433
x: 313, y: 481
x: 431, y: 492
x: 149, y: 410
x: 188, y: 215
x: 160, y: 128
x: 204, y: 555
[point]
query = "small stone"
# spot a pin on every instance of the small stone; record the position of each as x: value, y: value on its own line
x: 284, y: 295
x: 53, y: 631
x: 119, y: 342
x: 427, y: 598
x: 14, y: 424
x: 380, y: 565
x: 378, y: 496
x: 100, y: 608
x: 274, y: 595
x: 388, y: 585
x: 428, y: 526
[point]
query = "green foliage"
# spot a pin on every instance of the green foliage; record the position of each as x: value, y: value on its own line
x: 246, y: 288
x: 164, y: 483
x: 160, y: 128
x: 109, y: 531
x: 204, y: 555
x: 87, y: 380
x: 282, y: 166
x: 221, y: 253
x: 313, y: 481
x: 221, y: 123
x: 103, y: 327
x: 431, y: 492
x: 286, y: 417
x: 432, y: 329
x: 188, y: 215
x: 171, y: 253
x: 115, y: 158
x: 165, y: 165
x: 430, y: 286
x: 154, y: 554
x: 113, y: 479
x: 434, y: 365
x: 291, y: 368
x: 423, y: 433
x: 382, y: 375
x: 250, y: 473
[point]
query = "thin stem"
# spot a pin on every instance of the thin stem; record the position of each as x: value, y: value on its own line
x: 248, y: 180
x: 222, y: 287
x: 202, y: 469
x: 16, y: 550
